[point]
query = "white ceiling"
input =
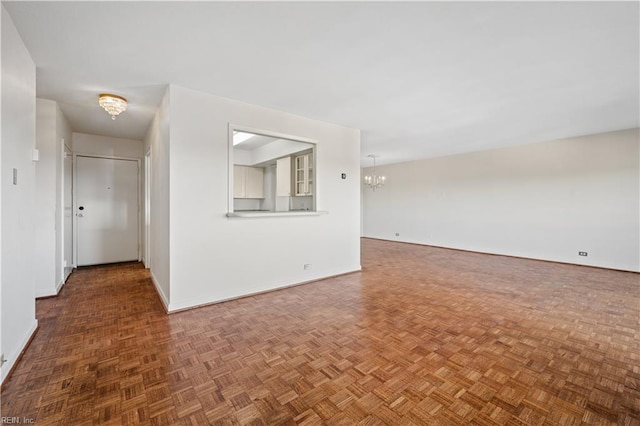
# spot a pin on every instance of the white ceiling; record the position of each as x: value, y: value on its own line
x: 420, y: 79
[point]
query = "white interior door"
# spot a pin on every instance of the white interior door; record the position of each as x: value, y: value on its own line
x: 106, y: 210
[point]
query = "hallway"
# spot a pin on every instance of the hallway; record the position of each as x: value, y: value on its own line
x: 421, y: 336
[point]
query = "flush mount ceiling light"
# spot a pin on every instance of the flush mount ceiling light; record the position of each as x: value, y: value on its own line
x: 113, y: 104
x: 374, y: 181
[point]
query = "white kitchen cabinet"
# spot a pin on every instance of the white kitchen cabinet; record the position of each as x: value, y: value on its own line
x: 283, y: 177
x: 303, y: 175
x: 238, y: 181
x: 248, y: 182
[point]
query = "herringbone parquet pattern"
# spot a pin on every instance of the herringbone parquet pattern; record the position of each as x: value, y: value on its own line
x: 422, y: 336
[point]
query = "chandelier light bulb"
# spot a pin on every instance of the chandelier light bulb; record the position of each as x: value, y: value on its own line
x: 374, y: 181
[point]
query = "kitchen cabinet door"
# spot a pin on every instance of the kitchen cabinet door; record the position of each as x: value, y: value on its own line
x: 238, y: 181
x: 283, y: 177
x: 248, y: 182
x: 254, y: 182
x: 304, y: 175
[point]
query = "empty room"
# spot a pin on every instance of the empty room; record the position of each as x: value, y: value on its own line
x: 340, y: 213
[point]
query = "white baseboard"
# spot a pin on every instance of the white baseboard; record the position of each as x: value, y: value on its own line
x: 163, y: 297
x: 40, y: 294
x: 47, y: 293
x: 14, y: 355
x: 67, y: 272
x: 193, y: 304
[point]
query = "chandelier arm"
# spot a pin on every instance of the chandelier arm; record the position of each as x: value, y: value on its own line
x: 374, y: 181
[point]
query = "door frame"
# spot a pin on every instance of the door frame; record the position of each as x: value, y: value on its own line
x: 74, y: 216
x: 67, y: 153
x: 148, y: 159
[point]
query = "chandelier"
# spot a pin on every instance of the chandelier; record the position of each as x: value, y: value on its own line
x: 113, y: 104
x: 374, y: 181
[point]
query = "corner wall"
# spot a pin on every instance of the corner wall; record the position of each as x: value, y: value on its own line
x: 44, y: 255
x: 214, y: 258
x: 157, y: 141
x: 546, y: 201
x: 52, y: 130
x: 18, y: 118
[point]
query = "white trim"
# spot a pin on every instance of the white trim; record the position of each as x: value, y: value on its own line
x: 275, y: 214
x: 75, y: 199
x: 187, y: 306
x: 236, y: 127
x: 514, y: 256
x: 163, y: 297
x: 110, y: 157
x: 67, y: 152
x: 13, y: 357
x: 60, y: 216
x: 40, y: 294
x: 67, y: 271
x: 271, y: 134
x: 58, y: 287
x: 146, y: 218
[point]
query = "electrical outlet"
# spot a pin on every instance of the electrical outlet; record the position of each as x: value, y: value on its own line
x: 582, y: 253
x: 307, y: 266
x: 397, y: 234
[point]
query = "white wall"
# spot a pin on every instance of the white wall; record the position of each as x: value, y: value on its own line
x: 52, y: 130
x: 546, y: 201
x: 18, y: 118
x: 157, y: 139
x: 106, y: 146
x: 64, y: 230
x: 215, y: 258
x: 44, y: 256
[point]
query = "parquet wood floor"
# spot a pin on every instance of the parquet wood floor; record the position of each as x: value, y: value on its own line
x: 422, y: 336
